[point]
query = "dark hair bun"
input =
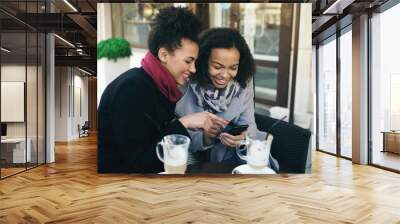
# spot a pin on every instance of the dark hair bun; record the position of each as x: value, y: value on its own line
x: 170, y: 25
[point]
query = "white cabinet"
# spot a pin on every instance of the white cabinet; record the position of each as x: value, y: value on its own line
x: 18, y: 149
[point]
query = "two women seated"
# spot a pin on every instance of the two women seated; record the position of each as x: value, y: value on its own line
x: 139, y: 108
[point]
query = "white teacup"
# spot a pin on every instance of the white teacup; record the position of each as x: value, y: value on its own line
x: 257, y: 152
x: 175, y: 153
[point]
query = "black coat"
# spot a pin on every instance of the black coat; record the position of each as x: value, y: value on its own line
x: 133, y: 116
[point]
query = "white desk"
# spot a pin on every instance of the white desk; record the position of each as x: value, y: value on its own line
x: 18, y: 148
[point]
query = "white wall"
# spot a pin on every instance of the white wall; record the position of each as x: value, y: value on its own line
x: 107, y: 71
x: 79, y: 117
x: 61, y: 103
x: 137, y: 56
x: 12, y: 73
x: 70, y: 84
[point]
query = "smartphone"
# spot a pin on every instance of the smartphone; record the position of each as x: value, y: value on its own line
x: 237, y: 130
x: 234, y: 129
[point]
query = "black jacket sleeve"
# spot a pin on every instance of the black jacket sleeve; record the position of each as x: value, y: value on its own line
x: 175, y: 127
x: 136, y: 132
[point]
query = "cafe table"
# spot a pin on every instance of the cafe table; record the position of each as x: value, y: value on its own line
x: 209, y: 168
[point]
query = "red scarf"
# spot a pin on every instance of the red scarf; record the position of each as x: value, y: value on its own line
x: 162, y: 77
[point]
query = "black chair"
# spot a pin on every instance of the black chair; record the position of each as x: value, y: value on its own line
x: 84, y: 130
x: 290, y: 144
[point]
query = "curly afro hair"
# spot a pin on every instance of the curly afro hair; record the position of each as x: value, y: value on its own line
x: 224, y: 38
x: 170, y: 25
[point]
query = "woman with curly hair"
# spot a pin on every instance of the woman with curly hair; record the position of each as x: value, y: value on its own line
x: 222, y: 85
x: 137, y: 109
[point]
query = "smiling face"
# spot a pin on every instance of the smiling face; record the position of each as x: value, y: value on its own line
x: 180, y: 62
x: 223, y: 66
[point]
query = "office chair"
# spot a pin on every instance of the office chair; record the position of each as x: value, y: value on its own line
x: 84, y: 130
x: 290, y: 144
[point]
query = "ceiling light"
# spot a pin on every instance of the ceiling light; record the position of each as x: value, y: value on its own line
x: 65, y: 41
x: 70, y: 5
x: 86, y: 72
x: 337, y: 7
x: 5, y: 49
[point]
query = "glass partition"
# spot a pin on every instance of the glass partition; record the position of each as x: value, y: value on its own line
x: 13, y: 105
x: 385, y: 89
x: 327, y: 96
x: 22, y: 88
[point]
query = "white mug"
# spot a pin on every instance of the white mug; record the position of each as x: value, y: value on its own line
x: 175, y: 153
x: 257, y: 152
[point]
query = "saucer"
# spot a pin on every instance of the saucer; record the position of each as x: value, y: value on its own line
x: 172, y: 173
x: 246, y: 169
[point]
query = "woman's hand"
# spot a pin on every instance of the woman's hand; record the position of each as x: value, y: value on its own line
x: 213, y: 126
x: 232, y: 140
x: 210, y: 123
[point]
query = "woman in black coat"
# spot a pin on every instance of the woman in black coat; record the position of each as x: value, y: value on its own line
x: 137, y: 109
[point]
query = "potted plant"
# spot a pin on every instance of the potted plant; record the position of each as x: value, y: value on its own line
x: 113, y: 48
x: 113, y: 58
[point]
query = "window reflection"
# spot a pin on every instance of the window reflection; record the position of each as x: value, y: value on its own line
x: 266, y: 81
x: 135, y: 19
x: 265, y: 29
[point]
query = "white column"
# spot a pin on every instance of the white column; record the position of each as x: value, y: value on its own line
x: 303, y: 105
x: 360, y: 90
x: 250, y: 24
x: 50, y: 101
x: 215, y: 15
x: 104, y: 22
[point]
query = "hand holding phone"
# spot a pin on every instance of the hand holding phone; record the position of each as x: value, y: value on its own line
x: 234, y: 129
x: 234, y: 136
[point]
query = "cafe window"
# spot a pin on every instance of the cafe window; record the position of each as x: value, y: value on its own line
x: 132, y: 21
x: 267, y: 27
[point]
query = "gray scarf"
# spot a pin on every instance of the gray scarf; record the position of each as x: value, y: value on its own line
x: 215, y: 100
